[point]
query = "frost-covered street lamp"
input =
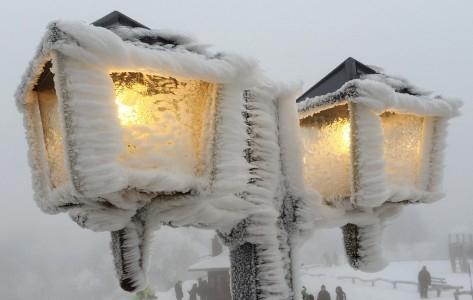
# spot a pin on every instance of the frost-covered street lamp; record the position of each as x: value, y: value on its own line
x: 371, y: 143
x: 129, y: 128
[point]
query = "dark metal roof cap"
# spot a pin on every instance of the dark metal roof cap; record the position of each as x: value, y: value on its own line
x: 117, y: 18
x: 348, y: 70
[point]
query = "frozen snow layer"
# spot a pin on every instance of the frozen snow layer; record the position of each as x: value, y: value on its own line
x: 211, y: 263
x: 313, y: 277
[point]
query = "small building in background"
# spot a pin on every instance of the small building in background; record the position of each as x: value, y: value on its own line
x: 460, y: 250
x: 217, y: 267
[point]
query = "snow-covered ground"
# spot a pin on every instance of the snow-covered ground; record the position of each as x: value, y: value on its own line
x: 314, y: 276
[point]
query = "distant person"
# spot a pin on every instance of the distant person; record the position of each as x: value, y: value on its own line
x: 323, y: 294
x: 340, y: 293
x: 424, y: 281
x: 178, y: 290
x: 193, y: 292
x: 203, y: 289
x: 304, y: 293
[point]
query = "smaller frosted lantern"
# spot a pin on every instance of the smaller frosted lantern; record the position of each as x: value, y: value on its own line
x: 372, y: 141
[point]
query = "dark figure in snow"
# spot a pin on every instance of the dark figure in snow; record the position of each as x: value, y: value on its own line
x: 340, y: 293
x: 193, y: 292
x: 203, y: 289
x: 178, y: 290
x: 305, y: 296
x: 424, y: 282
x: 323, y: 294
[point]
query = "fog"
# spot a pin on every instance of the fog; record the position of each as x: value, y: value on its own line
x: 429, y: 42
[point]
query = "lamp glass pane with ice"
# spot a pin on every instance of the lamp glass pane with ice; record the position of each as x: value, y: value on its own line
x: 52, y: 131
x: 332, y: 139
x: 163, y: 118
x: 403, y: 145
x: 327, y: 156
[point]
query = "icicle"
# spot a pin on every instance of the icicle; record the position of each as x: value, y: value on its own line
x: 129, y: 247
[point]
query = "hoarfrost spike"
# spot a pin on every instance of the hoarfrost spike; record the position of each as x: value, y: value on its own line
x: 130, y: 254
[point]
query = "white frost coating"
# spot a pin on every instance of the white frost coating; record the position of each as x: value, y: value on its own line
x: 298, y: 211
x: 380, y: 97
x: 265, y: 192
x: 131, y: 247
x: 102, y: 194
x: 397, y: 82
x: 291, y: 157
x: 83, y: 56
x: 377, y: 196
x: 370, y: 187
x: 439, y: 138
x: 372, y: 98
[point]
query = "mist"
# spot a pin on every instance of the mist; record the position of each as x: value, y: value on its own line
x: 430, y: 43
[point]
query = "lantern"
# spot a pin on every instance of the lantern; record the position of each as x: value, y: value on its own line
x: 371, y: 143
x: 119, y: 116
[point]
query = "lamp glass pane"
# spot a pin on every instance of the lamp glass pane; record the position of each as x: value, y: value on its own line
x: 403, y: 138
x: 164, y: 121
x: 53, y: 136
x: 327, y: 156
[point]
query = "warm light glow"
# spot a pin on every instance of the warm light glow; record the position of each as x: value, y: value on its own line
x: 403, y: 140
x: 53, y: 136
x: 346, y: 138
x: 327, y: 157
x: 126, y: 114
x: 163, y: 120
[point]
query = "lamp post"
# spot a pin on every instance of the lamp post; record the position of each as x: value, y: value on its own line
x: 130, y: 128
x: 372, y: 143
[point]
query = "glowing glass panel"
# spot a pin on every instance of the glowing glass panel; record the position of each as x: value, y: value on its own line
x: 164, y: 121
x: 403, y: 137
x: 53, y: 136
x: 327, y: 158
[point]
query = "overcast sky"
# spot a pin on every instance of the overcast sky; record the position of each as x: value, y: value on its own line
x: 428, y: 42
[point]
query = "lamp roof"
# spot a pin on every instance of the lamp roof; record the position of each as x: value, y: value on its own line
x: 353, y: 81
x: 117, y: 18
x: 348, y: 70
x: 130, y: 30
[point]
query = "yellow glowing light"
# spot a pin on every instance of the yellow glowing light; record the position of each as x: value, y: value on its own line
x: 126, y: 114
x: 346, y: 132
x: 403, y: 136
x: 53, y: 138
x: 163, y: 121
x: 326, y: 140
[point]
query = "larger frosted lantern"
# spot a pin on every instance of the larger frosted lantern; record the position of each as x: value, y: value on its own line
x: 371, y: 142
x: 122, y: 120
x: 135, y: 112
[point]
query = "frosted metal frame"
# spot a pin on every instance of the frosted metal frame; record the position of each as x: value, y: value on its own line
x: 86, y: 98
x: 371, y: 185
